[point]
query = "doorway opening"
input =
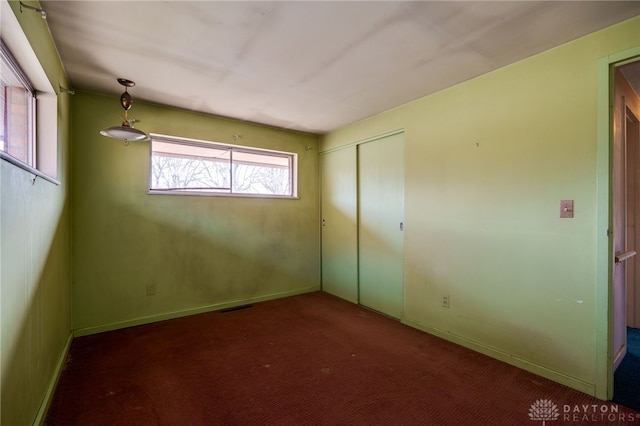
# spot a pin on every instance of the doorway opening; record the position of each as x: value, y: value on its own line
x: 626, y: 234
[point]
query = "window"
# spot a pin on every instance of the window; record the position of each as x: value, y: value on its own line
x: 191, y: 166
x: 28, y: 104
x: 17, y: 109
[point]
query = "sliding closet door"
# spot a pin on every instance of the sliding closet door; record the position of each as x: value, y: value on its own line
x: 339, y: 229
x: 380, y: 229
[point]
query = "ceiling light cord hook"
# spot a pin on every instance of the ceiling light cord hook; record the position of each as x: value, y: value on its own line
x: 35, y: 9
x: 68, y: 91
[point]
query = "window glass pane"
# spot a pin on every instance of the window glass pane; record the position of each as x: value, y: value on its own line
x: 179, y: 167
x: 255, y: 173
x: 17, y: 108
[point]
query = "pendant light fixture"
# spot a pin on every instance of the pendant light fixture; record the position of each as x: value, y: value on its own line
x: 125, y: 132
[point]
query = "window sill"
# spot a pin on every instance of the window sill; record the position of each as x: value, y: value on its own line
x: 37, y: 173
x: 221, y: 194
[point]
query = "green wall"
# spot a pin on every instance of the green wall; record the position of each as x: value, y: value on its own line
x: 35, y: 261
x: 200, y: 252
x: 486, y: 165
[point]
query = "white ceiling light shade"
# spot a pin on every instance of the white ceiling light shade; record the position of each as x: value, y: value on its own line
x: 125, y: 132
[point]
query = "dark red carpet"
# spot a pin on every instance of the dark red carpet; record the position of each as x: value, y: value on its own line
x: 305, y: 360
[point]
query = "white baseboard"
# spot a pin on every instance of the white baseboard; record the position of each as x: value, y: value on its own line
x: 186, y: 312
x: 48, y: 396
x: 572, y: 382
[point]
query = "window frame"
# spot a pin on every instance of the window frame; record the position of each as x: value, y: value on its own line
x: 14, y: 70
x: 232, y: 148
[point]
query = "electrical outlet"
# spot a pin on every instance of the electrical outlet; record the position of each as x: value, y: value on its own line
x: 445, y: 301
x: 151, y: 289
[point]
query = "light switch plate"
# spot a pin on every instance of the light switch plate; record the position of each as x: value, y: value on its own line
x: 566, y: 208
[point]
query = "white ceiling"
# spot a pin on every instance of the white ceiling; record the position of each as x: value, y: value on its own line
x: 311, y: 66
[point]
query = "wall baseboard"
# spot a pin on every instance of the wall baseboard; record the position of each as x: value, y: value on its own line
x: 186, y: 312
x: 48, y: 395
x: 572, y: 382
